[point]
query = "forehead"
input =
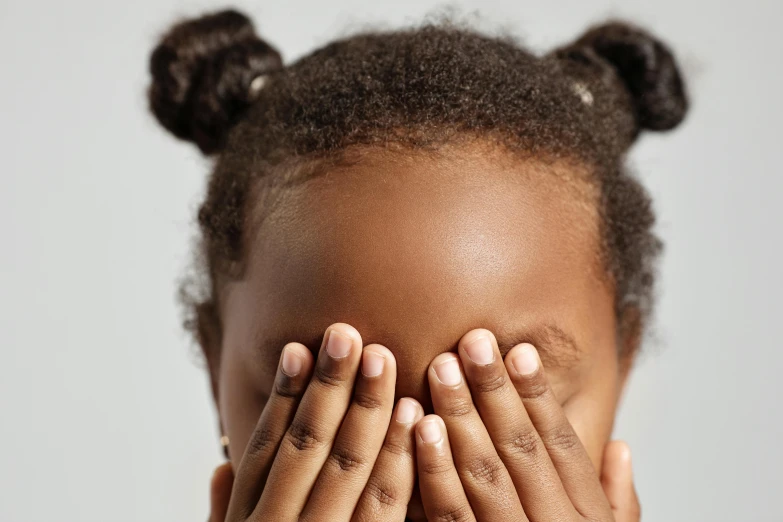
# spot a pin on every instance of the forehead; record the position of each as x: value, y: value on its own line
x: 414, y: 250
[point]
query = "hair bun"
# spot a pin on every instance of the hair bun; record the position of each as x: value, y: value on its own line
x: 646, y: 67
x: 201, y: 75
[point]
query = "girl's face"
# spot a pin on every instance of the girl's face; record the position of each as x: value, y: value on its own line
x: 414, y: 250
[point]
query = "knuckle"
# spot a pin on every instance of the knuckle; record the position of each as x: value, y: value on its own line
x: 456, y: 407
x: 525, y: 443
x: 460, y: 513
x: 263, y: 441
x: 382, y: 494
x: 327, y: 378
x: 561, y: 439
x: 367, y: 400
x: 303, y: 437
x: 436, y: 467
x: 486, y: 470
x: 398, y: 448
x: 346, y: 460
x: 534, y: 389
x: 287, y: 388
x: 490, y: 383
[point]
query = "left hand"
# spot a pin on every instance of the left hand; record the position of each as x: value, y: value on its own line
x: 516, y: 456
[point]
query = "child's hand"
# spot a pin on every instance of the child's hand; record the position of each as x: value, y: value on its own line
x: 515, y: 455
x: 617, y: 480
x: 317, y: 452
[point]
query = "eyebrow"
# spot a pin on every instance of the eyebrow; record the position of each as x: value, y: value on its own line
x: 556, y: 347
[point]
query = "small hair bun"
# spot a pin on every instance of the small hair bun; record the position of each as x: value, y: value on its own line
x: 646, y: 67
x: 202, y: 72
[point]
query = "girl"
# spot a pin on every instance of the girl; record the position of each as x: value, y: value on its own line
x: 426, y: 269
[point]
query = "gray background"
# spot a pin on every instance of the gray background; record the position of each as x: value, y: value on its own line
x: 106, y: 414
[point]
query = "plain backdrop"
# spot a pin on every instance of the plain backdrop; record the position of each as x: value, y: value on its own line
x: 106, y: 413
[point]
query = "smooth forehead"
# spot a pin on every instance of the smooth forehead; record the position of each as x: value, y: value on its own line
x: 415, y: 249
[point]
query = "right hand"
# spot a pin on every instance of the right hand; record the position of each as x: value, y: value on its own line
x: 321, y: 449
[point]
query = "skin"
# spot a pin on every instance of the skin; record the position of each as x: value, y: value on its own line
x: 411, y: 255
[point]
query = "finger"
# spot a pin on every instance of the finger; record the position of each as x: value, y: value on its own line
x: 388, y: 491
x: 220, y: 492
x: 566, y: 451
x: 512, y: 432
x: 351, y: 460
x: 293, y: 374
x: 439, y: 483
x: 308, y: 440
x: 617, y: 481
x: 486, y: 481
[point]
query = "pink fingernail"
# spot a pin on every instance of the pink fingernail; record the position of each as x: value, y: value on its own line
x: 372, y: 364
x: 406, y: 411
x: 525, y: 361
x: 292, y: 363
x: 448, y: 372
x: 480, y: 350
x: 338, y: 345
x: 430, y: 431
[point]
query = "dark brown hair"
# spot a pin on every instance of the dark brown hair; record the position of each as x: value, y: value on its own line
x: 416, y: 88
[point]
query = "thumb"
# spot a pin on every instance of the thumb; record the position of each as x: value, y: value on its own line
x: 617, y: 480
x: 220, y: 492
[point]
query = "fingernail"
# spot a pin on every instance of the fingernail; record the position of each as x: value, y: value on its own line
x: 372, y: 364
x: 430, y: 432
x: 525, y: 361
x: 292, y: 363
x: 480, y: 350
x: 338, y: 345
x: 448, y: 372
x: 406, y: 411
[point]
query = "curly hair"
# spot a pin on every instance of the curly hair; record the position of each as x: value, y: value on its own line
x: 217, y: 84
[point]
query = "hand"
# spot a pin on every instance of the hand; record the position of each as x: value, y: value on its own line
x: 317, y: 452
x: 617, y: 481
x: 515, y: 455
